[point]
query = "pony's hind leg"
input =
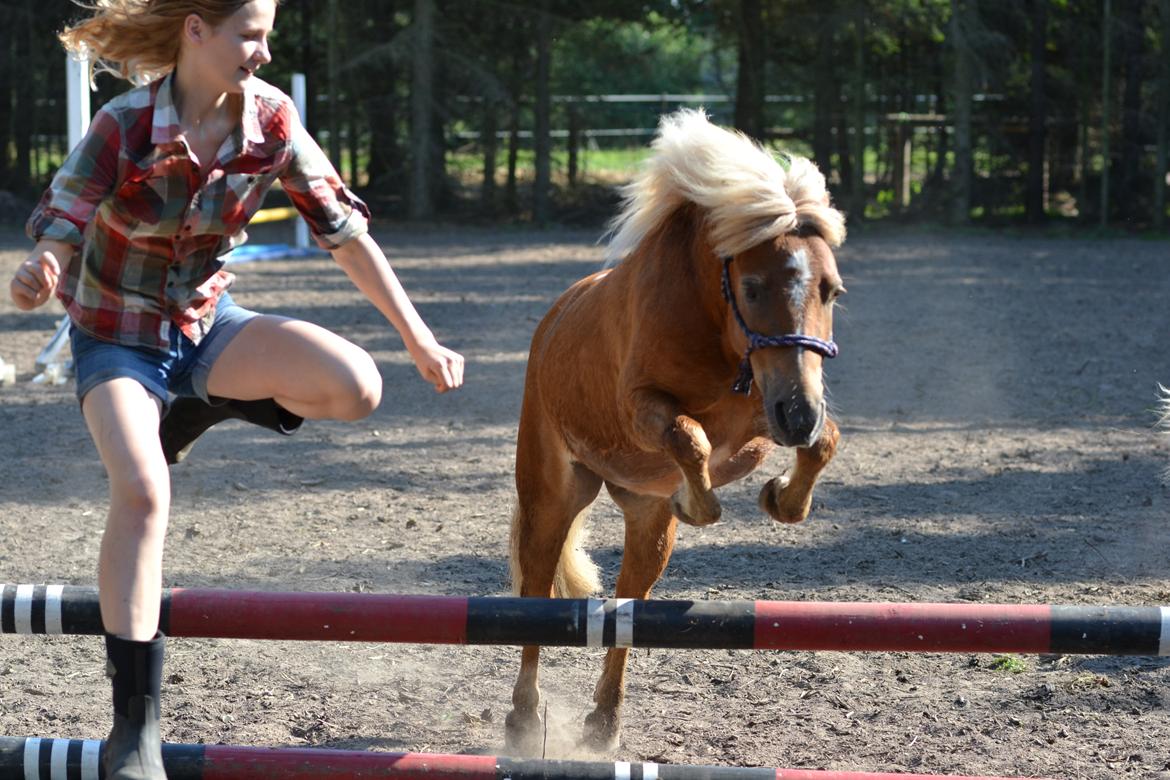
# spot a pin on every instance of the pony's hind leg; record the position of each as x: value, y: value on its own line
x: 550, y: 505
x: 650, y: 533
x: 788, y: 498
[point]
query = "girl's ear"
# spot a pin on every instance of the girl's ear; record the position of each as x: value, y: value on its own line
x: 194, y: 29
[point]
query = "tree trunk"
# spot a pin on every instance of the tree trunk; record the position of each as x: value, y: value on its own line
x: 516, y: 84
x: 574, y: 143
x: 903, y: 150
x: 964, y: 67
x: 901, y: 132
x: 857, y: 180
x: 749, y: 86
x: 385, y: 152
x: 825, y: 101
x: 6, y: 99
x: 1133, y: 43
x: 1106, y: 100
x: 1036, y: 199
x: 440, y: 191
x: 1163, y: 119
x: 542, y: 142
x: 487, y: 141
x: 1084, y: 158
x: 332, y: 66
x: 382, y: 110
x: 309, y: 67
x: 422, y: 110
x: 511, y: 186
x: 938, y: 175
x: 26, y: 52
x: 844, y: 151
x: 354, y: 137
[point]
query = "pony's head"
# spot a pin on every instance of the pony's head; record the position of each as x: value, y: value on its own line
x: 770, y: 223
x: 781, y: 294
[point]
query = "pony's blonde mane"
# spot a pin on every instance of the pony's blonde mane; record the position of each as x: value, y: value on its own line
x: 748, y: 196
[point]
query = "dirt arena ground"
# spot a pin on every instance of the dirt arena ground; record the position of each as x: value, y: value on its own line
x: 996, y: 399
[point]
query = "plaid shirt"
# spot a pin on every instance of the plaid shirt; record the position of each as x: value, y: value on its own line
x: 149, y: 233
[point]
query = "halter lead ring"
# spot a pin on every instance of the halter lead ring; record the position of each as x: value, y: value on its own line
x: 743, y: 380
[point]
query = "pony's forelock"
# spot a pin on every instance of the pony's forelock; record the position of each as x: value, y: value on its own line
x: 748, y: 196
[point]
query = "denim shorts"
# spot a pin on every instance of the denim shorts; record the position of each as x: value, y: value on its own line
x: 180, y: 371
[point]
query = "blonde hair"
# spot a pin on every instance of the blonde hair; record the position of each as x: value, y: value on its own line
x: 748, y: 195
x: 138, y: 40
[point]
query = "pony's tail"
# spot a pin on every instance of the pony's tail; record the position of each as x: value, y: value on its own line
x: 577, y: 575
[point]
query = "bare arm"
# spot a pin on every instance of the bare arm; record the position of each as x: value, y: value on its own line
x: 37, y: 277
x: 365, y: 264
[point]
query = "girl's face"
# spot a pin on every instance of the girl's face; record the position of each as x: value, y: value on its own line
x: 228, y: 55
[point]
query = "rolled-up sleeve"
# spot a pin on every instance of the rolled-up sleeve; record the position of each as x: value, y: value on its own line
x: 80, y: 185
x: 334, y: 214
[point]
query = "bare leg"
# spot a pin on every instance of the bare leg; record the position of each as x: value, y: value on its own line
x: 123, y: 420
x: 788, y: 498
x: 650, y: 533
x: 304, y: 368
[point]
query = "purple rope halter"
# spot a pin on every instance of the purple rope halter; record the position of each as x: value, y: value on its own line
x: 743, y: 381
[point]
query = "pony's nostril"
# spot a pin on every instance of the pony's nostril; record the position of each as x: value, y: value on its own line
x: 781, y: 417
x: 797, y: 423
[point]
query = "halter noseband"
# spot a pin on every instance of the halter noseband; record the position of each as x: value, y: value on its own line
x: 743, y: 381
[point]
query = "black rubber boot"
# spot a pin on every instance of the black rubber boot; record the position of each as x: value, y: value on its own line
x: 188, y: 418
x: 134, y: 747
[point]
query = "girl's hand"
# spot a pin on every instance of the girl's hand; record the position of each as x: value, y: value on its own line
x: 440, y: 366
x: 35, y: 280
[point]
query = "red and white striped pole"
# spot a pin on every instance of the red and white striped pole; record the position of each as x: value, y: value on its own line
x: 746, y: 625
x: 63, y: 759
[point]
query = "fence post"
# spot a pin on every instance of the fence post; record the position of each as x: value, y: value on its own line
x: 77, y: 98
x: 299, y: 100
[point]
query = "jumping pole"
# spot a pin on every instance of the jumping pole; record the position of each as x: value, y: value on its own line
x: 64, y: 759
x: 741, y: 625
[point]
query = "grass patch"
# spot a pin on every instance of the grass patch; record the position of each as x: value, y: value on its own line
x: 1008, y: 663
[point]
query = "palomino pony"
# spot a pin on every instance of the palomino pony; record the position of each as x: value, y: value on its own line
x: 673, y: 372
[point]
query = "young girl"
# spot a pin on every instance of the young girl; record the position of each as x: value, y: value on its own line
x: 130, y: 236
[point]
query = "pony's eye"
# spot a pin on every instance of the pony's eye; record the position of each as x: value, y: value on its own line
x: 831, y: 292
x: 751, y: 292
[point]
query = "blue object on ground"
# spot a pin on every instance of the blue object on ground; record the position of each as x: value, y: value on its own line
x: 248, y: 253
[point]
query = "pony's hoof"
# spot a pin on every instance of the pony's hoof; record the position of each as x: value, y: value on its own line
x: 523, y: 734
x: 703, y: 515
x: 777, y: 502
x: 602, y: 732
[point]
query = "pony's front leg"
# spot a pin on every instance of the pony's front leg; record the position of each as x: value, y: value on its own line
x: 788, y: 498
x: 523, y: 727
x: 660, y: 425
